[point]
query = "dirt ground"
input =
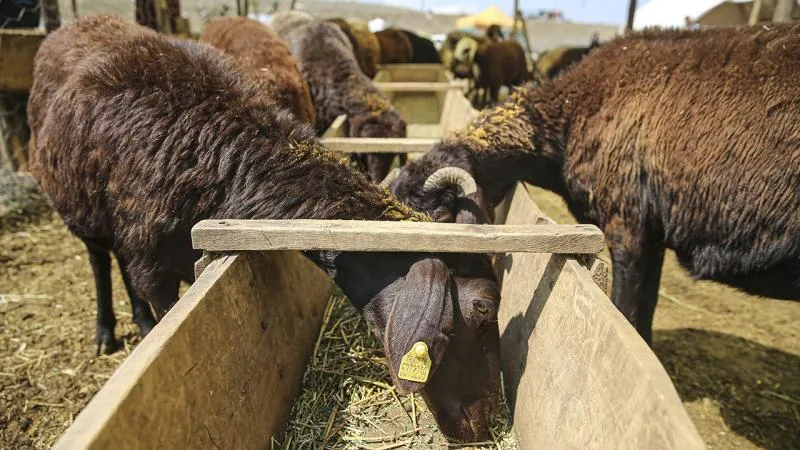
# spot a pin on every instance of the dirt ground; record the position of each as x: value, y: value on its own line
x: 735, y: 359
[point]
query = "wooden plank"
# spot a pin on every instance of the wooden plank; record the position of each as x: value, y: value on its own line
x: 221, y: 369
x: 577, y: 373
x: 457, y: 113
x: 417, y: 86
x: 379, y: 145
x: 424, y: 130
x: 376, y: 236
x: 337, y: 128
x: 17, y: 50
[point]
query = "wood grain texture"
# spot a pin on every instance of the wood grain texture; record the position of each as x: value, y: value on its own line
x: 418, y: 86
x: 18, y: 47
x: 337, y: 128
x: 369, y: 236
x: 577, y: 373
x: 221, y: 369
x: 379, y: 145
x: 457, y: 112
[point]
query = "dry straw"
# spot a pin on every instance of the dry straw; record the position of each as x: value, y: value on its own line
x: 347, y: 400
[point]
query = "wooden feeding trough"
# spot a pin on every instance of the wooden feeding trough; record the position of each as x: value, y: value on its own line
x: 224, y: 365
x: 18, y: 47
x: 428, y: 100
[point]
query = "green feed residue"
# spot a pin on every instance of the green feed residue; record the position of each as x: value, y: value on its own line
x: 347, y: 401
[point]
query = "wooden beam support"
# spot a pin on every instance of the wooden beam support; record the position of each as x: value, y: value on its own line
x: 376, y: 236
x: 379, y: 145
x: 418, y: 86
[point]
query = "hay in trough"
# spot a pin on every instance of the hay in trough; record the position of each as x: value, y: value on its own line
x: 347, y: 400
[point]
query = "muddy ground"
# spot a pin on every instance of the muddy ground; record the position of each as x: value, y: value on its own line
x: 735, y: 359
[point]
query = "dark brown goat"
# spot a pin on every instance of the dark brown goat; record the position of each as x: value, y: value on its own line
x: 266, y: 58
x: 396, y: 48
x: 681, y: 140
x: 365, y: 60
x: 339, y: 87
x: 138, y: 137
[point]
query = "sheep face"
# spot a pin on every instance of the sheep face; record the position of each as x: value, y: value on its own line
x: 450, y: 304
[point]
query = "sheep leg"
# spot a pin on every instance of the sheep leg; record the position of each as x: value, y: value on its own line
x: 652, y: 281
x: 101, y: 267
x: 637, y: 272
x: 142, y: 315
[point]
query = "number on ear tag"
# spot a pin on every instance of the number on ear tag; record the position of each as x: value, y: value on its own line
x: 416, y: 364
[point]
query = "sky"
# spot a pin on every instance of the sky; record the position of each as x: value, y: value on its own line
x: 591, y: 11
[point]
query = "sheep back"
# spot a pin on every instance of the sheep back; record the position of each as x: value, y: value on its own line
x: 266, y: 59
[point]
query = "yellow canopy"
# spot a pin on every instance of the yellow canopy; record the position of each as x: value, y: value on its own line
x: 484, y: 19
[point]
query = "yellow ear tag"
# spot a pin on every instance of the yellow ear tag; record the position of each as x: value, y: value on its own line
x: 416, y: 364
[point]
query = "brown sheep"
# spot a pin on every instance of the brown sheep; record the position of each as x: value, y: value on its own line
x: 493, y: 65
x: 664, y: 139
x: 339, y: 87
x: 554, y: 61
x: 143, y: 136
x: 395, y: 47
x: 449, y: 46
x: 363, y: 55
x: 371, y: 49
x: 264, y: 57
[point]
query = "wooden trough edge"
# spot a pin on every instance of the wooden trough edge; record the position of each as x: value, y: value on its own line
x: 379, y: 145
x: 418, y: 86
x: 221, y: 369
x: 379, y: 236
x: 570, y: 359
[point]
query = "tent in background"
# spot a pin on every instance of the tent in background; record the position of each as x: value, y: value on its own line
x: 484, y: 19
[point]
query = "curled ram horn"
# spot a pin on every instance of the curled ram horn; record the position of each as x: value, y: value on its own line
x: 390, y: 178
x: 451, y: 176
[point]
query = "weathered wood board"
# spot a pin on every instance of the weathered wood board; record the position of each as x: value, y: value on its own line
x: 17, y: 50
x: 415, y: 73
x: 375, y: 236
x: 577, y: 373
x: 221, y: 369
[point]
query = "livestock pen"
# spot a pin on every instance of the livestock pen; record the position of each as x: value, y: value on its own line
x: 583, y: 359
x: 225, y: 364
x: 731, y: 394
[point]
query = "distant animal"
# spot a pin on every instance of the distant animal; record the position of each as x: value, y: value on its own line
x: 553, y: 62
x: 138, y: 137
x: 491, y: 65
x: 264, y: 57
x: 495, y: 33
x: 339, y: 87
x: 422, y: 50
x: 660, y: 139
x: 396, y: 47
x: 365, y: 60
x: 370, y: 48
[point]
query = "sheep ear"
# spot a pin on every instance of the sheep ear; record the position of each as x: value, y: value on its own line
x: 422, y: 312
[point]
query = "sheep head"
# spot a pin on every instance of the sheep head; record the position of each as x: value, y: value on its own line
x: 449, y: 193
x: 444, y: 312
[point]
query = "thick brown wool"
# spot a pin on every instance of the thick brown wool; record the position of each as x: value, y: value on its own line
x: 266, y: 59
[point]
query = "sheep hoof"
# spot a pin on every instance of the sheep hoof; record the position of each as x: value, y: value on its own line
x: 105, y: 341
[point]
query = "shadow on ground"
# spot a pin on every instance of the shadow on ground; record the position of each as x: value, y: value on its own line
x: 757, y: 387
